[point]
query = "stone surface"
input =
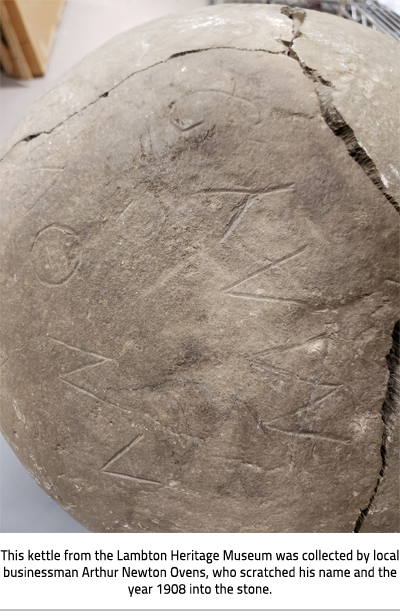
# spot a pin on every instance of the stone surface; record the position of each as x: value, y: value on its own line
x: 384, y: 511
x: 199, y: 285
x: 364, y: 85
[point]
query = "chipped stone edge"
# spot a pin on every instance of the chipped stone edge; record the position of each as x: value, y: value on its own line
x: 389, y: 409
x: 341, y: 129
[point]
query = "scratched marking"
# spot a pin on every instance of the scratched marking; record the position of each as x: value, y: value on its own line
x: 302, y: 409
x: 229, y: 94
x: 119, y: 455
x: 232, y: 293
x: 252, y: 196
x: 312, y: 435
x: 317, y: 344
x: 132, y: 478
x: 71, y: 347
x: 100, y: 359
x: 182, y: 411
x: 146, y: 145
x: 270, y: 265
x: 55, y: 255
x: 124, y: 210
x: 18, y: 411
x: 57, y: 171
x: 286, y: 373
x: 185, y: 126
x: 122, y: 451
x: 313, y: 402
x: 291, y: 347
x: 5, y: 356
x: 164, y: 278
x: 88, y: 393
x: 263, y: 298
x: 264, y: 366
x: 251, y: 191
x: 192, y: 109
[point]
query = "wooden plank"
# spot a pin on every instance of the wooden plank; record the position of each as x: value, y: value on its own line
x: 23, y: 37
x: 6, y: 60
x: 36, y: 26
x: 20, y: 66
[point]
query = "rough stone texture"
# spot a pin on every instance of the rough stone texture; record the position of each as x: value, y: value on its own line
x: 150, y: 44
x: 363, y: 90
x: 383, y: 514
x: 200, y: 283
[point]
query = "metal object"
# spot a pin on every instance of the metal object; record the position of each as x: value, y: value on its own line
x: 373, y: 15
x: 369, y: 13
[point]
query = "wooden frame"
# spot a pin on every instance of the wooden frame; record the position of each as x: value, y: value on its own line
x: 28, y: 31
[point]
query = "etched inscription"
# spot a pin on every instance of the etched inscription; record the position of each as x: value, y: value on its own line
x: 4, y: 358
x: 185, y: 124
x: 235, y: 289
x: 98, y: 361
x: 312, y: 435
x: 41, y: 180
x: 126, y: 208
x: 303, y: 362
x: 251, y: 197
x: 231, y: 289
x: 267, y: 284
x: 55, y: 255
x: 310, y: 351
x: 121, y: 452
x: 242, y: 289
x: 122, y: 465
x: 291, y: 424
x: 108, y: 466
x: 197, y: 109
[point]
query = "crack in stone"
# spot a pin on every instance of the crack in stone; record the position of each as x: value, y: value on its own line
x: 105, y: 94
x: 388, y: 415
x: 341, y: 129
x: 331, y: 115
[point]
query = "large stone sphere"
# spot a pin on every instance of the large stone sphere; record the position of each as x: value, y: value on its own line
x: 200, y: 278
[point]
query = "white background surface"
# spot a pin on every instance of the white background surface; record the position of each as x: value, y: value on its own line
x: 209, y: 542
x: 85, y: 25
x: 393, y: 5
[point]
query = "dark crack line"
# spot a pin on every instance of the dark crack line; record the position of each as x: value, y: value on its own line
x: 341, y: 129
x: 338, y: 126
x: 105, y: 94
x: 388, y: 415
x: 331, y: 115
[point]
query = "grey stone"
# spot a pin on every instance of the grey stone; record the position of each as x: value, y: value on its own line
x: 200, y: 282
x: 364, y: 75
